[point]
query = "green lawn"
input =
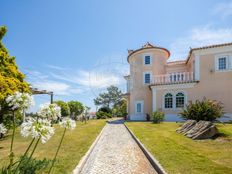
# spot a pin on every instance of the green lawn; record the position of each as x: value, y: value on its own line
x: 179, y: 154
x: 76, y: 143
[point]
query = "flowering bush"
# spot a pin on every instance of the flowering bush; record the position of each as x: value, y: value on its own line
x: 20, y: 101
x: 40, y: 128
x: 50, y: 111
x: 68, y: 123
x: 3, y: 129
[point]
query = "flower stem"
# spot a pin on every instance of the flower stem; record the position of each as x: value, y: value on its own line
x: 11, y: 156
x: 36, y: 144
x: 25, y: 153
x: 53, y: 161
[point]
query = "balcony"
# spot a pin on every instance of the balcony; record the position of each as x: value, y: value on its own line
x: 174, y: 78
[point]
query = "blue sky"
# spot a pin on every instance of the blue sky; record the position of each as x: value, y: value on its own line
x: 77, y: 48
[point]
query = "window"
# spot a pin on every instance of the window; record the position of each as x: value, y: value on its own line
x: 147, y: 78
x: 179, y: 100
x: 147, y: 60
x: 168, y: 100
x: 139, y: 108
x: 222, y: 63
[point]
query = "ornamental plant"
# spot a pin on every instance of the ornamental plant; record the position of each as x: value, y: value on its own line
x: 49, y: 111
x: 3, y: 130
x: 17, y: 101
x: 157, y: 117
x: 39, y: 129
x: 11, y: 79
x: 207, y: 110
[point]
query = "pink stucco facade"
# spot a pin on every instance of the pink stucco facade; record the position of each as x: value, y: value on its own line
x: 155, y: 83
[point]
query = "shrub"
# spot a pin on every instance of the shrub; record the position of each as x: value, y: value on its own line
x: 207, y: 110
x: 105, y: 109
x: 103, y: 115
x: 157, y: 116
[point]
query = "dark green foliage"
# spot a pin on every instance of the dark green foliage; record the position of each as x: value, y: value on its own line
x: 120, y: 110
x: 28, y: 166
x: 103, y: 115
x: 207, y: 110
x: 65, y: 110
x: 105, y: 109
x: 111, y: 97
x: 157, y: 117
x: 33, y: 165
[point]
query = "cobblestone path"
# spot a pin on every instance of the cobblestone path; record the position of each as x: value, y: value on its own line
x: 116, y: 152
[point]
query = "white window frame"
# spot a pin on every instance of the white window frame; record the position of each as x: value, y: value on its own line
x: 184, y: 99
x: 142, y: 105
x: 174, y: 93
x: 168, y: 92
x: 151, y: 77
x: 228, y: 62
x: 144, y: 59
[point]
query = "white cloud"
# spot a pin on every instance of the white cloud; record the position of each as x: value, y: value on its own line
x: 55, y: 67
x: 64, y: 81
x: 197, y: 37
x: 223, y: 9
x: 100, y: 76
x: 44, y: 82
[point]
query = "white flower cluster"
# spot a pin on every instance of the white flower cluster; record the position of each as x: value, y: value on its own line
x: 50, y: 111
x: 3, y: 129
x: 20, y: 101
x: 68, y: 123
x: 40, y: 128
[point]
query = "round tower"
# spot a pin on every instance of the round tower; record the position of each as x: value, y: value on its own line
x: 145, y: 63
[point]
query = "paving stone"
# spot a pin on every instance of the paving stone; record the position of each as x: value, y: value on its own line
x: 116, y: 152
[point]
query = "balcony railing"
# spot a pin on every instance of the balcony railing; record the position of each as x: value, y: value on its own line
x: 182, y: 77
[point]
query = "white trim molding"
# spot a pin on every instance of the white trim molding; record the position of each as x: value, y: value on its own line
x: 197, y: 67
x: 174, y: 86
x: 154, y: 100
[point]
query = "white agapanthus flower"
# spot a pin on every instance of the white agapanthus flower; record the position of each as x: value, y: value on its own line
x: 3, y: 129
x: 50, y: 111
x: 20, y: 101
x: 68, y: 123
x: 40, y: 128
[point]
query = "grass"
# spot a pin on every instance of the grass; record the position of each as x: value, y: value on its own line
x: 180, y: 155
x: 76, y: 143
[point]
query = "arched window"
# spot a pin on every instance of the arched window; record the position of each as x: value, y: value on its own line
x: 168, y: 100
x: 180, y: 100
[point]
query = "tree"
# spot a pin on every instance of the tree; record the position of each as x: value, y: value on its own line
x: 120, y: 109
x: 11, y: 79
x: 65, y: 110
x: 109, y: 98
x: 76, y: 108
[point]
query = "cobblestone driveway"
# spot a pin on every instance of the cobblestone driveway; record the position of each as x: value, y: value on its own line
x: 117, y: 153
